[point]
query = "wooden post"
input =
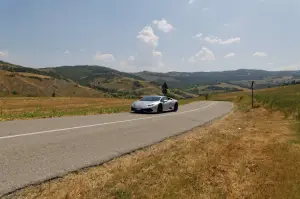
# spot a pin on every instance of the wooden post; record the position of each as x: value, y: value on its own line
x: 252, y: 87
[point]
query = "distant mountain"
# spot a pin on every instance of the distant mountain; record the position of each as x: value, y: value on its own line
x: 80, y: 81
x: 190, y: 79
x: 84, y: 74
x: 107, y: 80
x: 110, y: 82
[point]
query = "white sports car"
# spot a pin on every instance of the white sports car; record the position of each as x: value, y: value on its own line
x: 154, y: 104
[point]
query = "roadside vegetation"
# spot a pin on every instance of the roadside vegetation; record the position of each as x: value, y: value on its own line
x: 285, y: 99
x: 39, y: 107
x: 12, y: 108
x: 251, y: 153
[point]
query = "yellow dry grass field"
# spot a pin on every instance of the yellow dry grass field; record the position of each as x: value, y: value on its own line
x: 12, y: 108
x: 226, y: 85
x: 41, y: 107
x: 59, y: 102
x: 248, y: 154
x: 34, y: 85
x: 33, y: 75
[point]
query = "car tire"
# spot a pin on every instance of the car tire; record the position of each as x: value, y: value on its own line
x: 159, y: 108
x: 176, y: 107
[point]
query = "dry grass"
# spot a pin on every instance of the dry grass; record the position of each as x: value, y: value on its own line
x: 33, y: 75
x: 45, y: 107
x: 226, y: 85
x: 58, y: 102
x: 36, y: 107
x: 33, y: 85
x: 245, y: 155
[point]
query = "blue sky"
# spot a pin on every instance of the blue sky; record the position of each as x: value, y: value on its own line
x: 156, y: 35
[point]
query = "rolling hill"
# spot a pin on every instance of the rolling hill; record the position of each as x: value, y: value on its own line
x: 237, y: 77
x: 113, y: 82
x: 85, y: 74
x: 110, y: 80
x: 92, y: 80
x: 34, y: 85
x: 216, y: 88
x: 17, y: 68
x: 78, y: 81
x: 116, y: 83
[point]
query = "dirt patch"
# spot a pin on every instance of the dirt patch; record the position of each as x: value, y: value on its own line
x: 244, y: 155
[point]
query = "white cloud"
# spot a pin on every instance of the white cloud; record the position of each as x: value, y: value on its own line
x: 260, y: 54
x: 67, y: 52
x: 204, y: 9
x: 229, y: 55
x: 82, y: 49
x: 147, y: 56
x: 291, y: 67
x: 270, y: 63
x: 104, y: 57
x: 216, y: 40
x: 157, y: 54
x: 129, y: 63
x: 3, y: 53
x: 226, y: 25
x: 147, y: 36
x: 131, y: 58
x: 198, y: 36
x: 157, y: 59
x: 202, y: 55
x: 163, y: 25
x: 192, y: 1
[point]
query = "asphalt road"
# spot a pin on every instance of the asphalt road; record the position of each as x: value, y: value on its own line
x: 32, y: 151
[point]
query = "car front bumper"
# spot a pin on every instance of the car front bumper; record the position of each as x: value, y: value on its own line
x: 146, y: 110
x: 152, y: 109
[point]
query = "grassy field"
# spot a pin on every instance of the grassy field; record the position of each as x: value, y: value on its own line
x: 244, y: 155
x: 285, y: 99
x: 251, y: 153
x: 42, y: 107
x: 26, y: 108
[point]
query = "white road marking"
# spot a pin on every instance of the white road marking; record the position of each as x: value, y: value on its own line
x: 101, y: 124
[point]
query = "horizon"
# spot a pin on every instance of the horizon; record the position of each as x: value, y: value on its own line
x: 160, y: 36
x: 78, y: 65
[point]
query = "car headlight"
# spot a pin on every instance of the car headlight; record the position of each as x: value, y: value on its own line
x: 151, y: 105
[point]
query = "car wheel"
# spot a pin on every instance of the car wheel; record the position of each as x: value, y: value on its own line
x: 176, y: 107
x: 160, y: 108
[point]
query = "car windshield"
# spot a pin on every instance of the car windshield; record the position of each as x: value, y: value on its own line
x: 150, y: 98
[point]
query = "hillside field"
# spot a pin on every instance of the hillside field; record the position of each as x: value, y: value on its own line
x: 100, y: 81
x: 36, y: 85
x: 76, y: 81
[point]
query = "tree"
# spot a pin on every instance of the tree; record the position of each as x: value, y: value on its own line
x: 206, y: 95
x: 53, y: 94
x: 137, y: 84
x: 164, y: 89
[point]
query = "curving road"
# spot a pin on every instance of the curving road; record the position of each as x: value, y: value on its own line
x: 32, y: 151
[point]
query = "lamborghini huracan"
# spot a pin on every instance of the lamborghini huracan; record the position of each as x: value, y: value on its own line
x: 154, y: 104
